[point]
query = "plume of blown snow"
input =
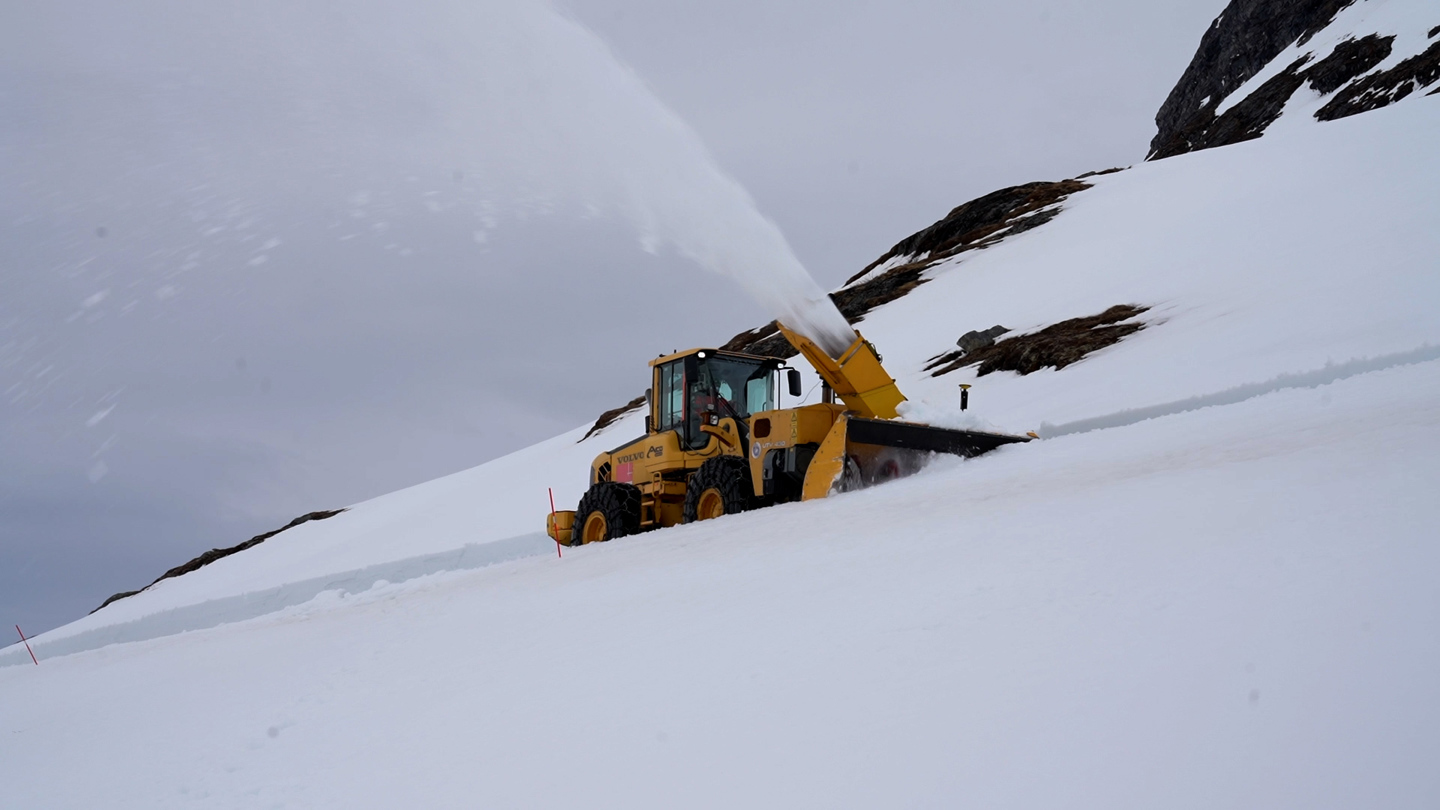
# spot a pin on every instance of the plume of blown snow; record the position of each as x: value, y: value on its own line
x: 253, y: 101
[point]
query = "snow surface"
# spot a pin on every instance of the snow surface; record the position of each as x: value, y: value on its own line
x: 1211, y: 585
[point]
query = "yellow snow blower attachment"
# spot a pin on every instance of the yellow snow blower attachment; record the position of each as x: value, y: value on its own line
x: 716, y: 441
x: 856, y: 377
x: 867, y: 443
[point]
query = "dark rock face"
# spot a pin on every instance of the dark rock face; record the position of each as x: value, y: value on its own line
x: 1386, y: 87
x: 1249, y: 118
x: 1349, y: 59
x: 1054, y: 346
x: 219, y: 553
x: 1246, y: 120
x: 1245, y: 38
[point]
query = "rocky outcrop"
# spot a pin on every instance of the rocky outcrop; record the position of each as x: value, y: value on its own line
x: 1246, y: 37
x: 1248, y: 119
x: 1349, y: 59
x: 1386, y: 87
x: 1055, y: 346
x: 1249, y: 36
x: 1245, y: 121
x: 220, y: 553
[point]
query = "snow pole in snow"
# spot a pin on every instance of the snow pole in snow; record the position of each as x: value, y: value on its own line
x: 550, y: 490
x: 27, y: 644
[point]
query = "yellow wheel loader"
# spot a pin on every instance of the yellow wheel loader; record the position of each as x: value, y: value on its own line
x: 717, y: 443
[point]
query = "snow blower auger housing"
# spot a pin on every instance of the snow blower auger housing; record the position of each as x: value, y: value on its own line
x: 716, y: 443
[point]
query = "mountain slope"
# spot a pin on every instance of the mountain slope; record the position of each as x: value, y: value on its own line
x: 1254, y: 265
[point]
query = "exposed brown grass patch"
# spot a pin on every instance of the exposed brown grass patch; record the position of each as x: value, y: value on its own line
x: 969, y: 226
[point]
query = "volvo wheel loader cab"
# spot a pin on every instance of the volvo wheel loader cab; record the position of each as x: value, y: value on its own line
x: 717, y: 441
x: 700, y: 403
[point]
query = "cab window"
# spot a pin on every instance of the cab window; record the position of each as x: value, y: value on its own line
x: 671, y: 398
x: 737, y: 388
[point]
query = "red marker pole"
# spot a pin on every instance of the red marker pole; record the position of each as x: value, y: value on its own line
x: 552, y: 523
x: 27, y: 644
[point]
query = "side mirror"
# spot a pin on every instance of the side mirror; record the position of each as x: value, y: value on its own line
x: 649, y: 397
x: 792, y: 376
x: 648, y: 431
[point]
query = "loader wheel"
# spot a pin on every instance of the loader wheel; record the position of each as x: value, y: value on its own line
x: 607, y: 511
x: 720, y: 487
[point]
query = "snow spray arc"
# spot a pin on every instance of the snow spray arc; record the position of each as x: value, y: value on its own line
x: 525, y: 110
x: 643, y: 160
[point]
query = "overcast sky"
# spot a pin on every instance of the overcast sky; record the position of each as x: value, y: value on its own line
x: 258, y: 260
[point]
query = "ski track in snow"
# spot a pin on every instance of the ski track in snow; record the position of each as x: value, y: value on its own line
x: 252, y: 605
x: 1240, y: 393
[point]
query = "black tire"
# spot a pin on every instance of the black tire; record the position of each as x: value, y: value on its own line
x: 729, y: 478
x: 852, y: 478
x: 618, y: 505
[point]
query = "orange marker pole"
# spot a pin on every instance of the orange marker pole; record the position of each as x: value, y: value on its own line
x: 27, y: 644
x: 552, y: 523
